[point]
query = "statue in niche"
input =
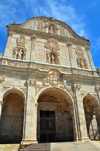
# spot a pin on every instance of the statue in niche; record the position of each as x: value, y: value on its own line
x: 20, y: 54
x: 82, y: 63
x: 15, y: 54
x: 53, y: 59
x: 48, y: 57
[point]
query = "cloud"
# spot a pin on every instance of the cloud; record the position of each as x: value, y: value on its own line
x: 21, y: 11
x: 95, y: 47
x: 65, y: 13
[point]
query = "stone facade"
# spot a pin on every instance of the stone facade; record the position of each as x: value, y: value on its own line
x: 46, y: 71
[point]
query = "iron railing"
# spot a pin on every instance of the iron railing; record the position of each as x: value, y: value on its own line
x: 56, y: 130
x: 11, y: 129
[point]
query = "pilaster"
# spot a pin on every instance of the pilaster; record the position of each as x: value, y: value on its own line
x: 90, y: 58
x: 33, y: 40
x: 2, y: 80
x: 82, y: 130
x: 97, y: 88
x: 69, y: 45
x: 30, y: 135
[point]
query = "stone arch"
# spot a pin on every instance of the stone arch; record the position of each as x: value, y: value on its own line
x: 92, y: 116
x: 13, y: 90
x: 57, y: 101
x: 12, y: 116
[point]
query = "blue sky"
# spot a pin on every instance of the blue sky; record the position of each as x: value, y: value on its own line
x: 82, y: 15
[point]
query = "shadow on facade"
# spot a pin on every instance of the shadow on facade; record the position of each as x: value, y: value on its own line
x: 92, y: 116
x: 11, y: 122
x: 54, y: 117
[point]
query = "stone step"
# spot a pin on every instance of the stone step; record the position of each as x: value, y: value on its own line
x: 67, y: 146
x: 9, y: 147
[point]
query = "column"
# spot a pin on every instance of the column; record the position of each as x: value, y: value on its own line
x: 80, y: 114
x: 30, y: 135
x: 33, y: 40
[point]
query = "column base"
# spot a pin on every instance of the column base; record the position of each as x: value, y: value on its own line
x: 27, y: 142
x: 83, y: 139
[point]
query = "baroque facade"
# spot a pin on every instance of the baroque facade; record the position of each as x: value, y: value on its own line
x: 49, y: 86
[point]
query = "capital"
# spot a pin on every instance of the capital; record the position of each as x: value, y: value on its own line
x: 31, y: 83
x: 69, y: 44
x: 76, y: 86
x: 97, y: 88
x: 33, y: 38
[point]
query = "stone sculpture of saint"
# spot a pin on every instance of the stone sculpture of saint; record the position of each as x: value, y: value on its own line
x: 20, y: 54
x: 15, y: 54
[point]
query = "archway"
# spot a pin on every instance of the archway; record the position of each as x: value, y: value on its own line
x: 55, y: 116
x: 11, y: 123
x: 92, y: 116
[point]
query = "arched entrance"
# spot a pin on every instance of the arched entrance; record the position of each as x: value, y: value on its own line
x: 92, y: 116
x: 11, y: 122
x: 55, y: 116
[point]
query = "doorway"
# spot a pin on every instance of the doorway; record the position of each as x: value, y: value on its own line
x: 47, y: 126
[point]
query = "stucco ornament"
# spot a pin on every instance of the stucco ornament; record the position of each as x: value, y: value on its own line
x: 2, y: 80
x: 52, y: 44
x: 53, y: 78
x: 81, y: 60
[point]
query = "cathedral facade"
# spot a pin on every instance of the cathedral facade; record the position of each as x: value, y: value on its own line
x: 49, y: 86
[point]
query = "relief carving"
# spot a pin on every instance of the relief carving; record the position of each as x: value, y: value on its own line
x: 2, y: 80
x: 51, y: 26
x: 77, y: 86
x: 81, y: 61
x: 52, y: 44
x: 31, y: 82
x: 40, y: 25
x: 52, y: 55
x: 4, y: 88
x: 53, y: 78
x: 20, y: 52
x: 17, y: 64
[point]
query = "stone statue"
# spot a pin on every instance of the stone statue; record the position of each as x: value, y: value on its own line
x: 15, y: 54
x: 20, y: 54
x: 52, y: 59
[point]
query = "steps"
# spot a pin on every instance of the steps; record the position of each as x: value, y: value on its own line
x: 9, y: 147
x: 66, y: 146
x: 37, y: 147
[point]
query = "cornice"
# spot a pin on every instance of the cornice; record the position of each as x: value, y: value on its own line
x: 39, y: 73
x: 78, y: 40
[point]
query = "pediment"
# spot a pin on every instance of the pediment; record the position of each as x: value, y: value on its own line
x: 49, y: 25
